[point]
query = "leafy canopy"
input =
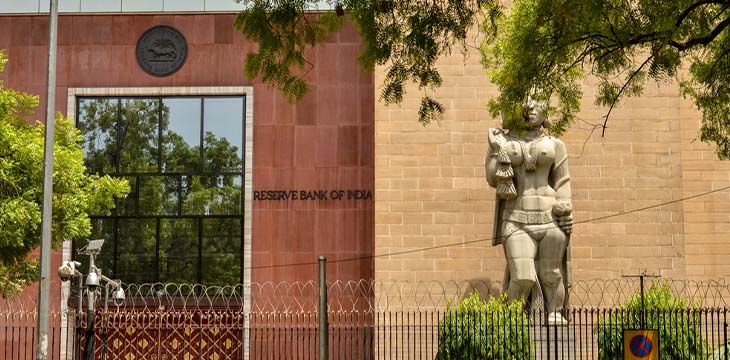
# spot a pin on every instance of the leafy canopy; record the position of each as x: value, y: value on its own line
x: 548, y: 46
x: 538, y: 47
x: 75, y: 194
x: 407, y: 37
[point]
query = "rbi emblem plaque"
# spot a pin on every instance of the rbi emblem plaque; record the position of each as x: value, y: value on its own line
x: 161, y: 50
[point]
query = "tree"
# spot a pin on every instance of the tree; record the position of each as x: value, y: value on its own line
x: 547, y: 46
x: 75, y: 194
x: 407, y: 37
x: 539, y: 48
x: 679, y: 325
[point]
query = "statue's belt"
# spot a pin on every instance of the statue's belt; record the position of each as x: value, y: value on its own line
x: 528, y: 217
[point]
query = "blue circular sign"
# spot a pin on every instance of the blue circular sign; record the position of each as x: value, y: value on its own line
x: 640, y: 346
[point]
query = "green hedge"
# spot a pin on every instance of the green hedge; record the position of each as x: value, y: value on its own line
x: 721, y: 353
x: 495, y: 329
x: 678, y: 324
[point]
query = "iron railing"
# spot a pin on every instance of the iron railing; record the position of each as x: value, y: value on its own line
x: 692, y: 333
x: 367, y: 320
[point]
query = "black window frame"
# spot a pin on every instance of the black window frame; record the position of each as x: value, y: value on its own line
x: 179, y: 175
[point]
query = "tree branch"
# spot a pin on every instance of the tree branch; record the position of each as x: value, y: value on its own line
x: 719, y: 13
x: 701, y: 40
x: 710, y: 78
x: 688, y: 10
x: 618, y: 95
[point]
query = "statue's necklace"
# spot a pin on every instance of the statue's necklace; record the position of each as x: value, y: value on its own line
x: 529, y: 153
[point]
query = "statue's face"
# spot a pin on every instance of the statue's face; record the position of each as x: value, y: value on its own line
x: 535, y: 113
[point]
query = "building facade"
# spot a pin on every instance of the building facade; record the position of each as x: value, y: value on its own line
x: 206, y: 151
x: 431, y: 192
x: 231, y: 183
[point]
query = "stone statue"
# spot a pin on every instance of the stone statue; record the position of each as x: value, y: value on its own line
x: 533, y: 218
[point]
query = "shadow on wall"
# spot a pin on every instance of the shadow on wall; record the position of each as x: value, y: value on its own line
x: 485, y: 286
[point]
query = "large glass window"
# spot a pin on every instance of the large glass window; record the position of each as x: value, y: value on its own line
x: 183, y: 158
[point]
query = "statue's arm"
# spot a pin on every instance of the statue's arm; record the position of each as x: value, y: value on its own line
x: 560, y: 181
x: 559, y: 176
x: 491, y: 163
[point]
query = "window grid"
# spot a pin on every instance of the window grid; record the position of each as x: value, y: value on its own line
x: 178, y: 176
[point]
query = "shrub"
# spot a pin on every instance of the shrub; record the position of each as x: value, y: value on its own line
x: 678, y: 324
x: 721, y: 353
x: 496, y: 329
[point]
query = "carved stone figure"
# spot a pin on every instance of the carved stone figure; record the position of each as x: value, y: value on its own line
x: 533, y: 212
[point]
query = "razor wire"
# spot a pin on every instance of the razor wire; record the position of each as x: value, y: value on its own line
x: 364, y: 296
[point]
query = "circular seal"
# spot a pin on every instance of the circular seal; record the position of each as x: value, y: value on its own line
x: 161, y: 50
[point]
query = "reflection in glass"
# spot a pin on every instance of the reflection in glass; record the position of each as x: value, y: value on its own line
x: 223, y: 134
x: 179, y: 250
x: 128, y: 205
x: 97, y: 121
x: 100, y: 229
x: 136, y: 250
x: 155, y: 143
x: 180, y: 135
x: 221, y: 251
x: 138, y: 133
x: 158, y: 195
x: 211, y: 195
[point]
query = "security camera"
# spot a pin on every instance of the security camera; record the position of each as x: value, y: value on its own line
x: 118, y: 294
x: 92, y: 279
x: 68, y: 270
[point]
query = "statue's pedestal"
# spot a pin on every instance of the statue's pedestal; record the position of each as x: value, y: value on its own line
x: 555, y: 342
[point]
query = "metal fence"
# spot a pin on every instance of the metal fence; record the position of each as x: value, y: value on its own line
x: 18, y: 338
x: 367, y: 320
x: 589, y: 334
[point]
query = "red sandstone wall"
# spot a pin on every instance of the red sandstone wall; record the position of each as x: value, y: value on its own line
x: 323, y: 142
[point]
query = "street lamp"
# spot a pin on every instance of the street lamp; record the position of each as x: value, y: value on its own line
x: 70, y: 269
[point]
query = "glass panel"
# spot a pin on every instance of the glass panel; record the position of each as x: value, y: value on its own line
x: 101, y: 6
x: 142, y: 5
x: 97, y: 121
x: 223, y: 5
x: 181, y: 135
x: 123, y: 136
x: 158, y: 195
x: 63, y: 6
x: 179, y: 250
x: 136, y: 249
x: 127, y: 206
x: 27, y: 6
x: 221, y: 251
x: 100, y: 229
x: 139, y: 127
x: 185, y: 5
x: 211, y: 195
x: 223, y: 137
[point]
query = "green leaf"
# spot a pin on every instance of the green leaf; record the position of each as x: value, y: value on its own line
x: 406, y: 37
x: 75, y: 194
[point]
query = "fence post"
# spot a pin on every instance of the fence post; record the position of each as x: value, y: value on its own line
x: 323, y: 324
x: 79, y: 310
x: 725, y: 334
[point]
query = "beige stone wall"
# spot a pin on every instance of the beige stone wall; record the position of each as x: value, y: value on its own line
x: 707, y: 219
x: 430, y: 189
